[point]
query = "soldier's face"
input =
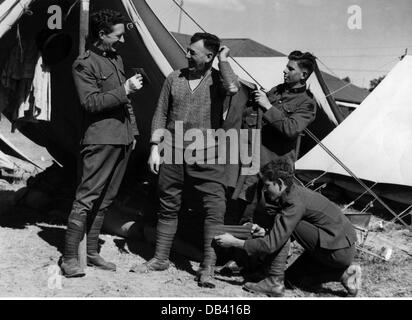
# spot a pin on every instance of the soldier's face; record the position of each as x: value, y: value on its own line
x: 198, y: 57
x: 293, y: 74
x: 111, y: 40
x: 272, y: 189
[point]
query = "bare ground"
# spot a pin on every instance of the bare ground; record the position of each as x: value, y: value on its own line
x: 30, y: 250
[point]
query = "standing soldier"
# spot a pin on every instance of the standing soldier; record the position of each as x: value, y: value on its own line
x: 288, y: 109
x: 108, y: 138
x: 193, y: 96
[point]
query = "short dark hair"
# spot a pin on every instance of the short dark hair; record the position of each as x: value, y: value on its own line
x: 210, y: 41
x: 305, y: 60
x: 104, y: 20
x: 278, y: 169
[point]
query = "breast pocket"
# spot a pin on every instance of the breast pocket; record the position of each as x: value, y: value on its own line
x: 105, y: 81
x: 288, y: 109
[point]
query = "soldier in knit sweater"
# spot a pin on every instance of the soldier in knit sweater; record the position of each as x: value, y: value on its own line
x: 191, y: 98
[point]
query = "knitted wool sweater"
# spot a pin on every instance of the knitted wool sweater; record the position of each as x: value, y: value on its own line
x: 180, y: 107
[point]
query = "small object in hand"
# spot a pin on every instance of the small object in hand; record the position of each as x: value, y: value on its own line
x: 143, y: 73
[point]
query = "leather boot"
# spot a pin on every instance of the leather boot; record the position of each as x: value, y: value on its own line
x: 352, y: 279
x: 75, y: 229
x: 153, y: 264
x: 270, y: 277
x: 93, y: 257
x: 272, y: 286
x: 205, y: 277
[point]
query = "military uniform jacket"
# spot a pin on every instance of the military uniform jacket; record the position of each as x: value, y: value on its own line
x: 302, y: 204
x: 108, y: 116
x: 293, y: 110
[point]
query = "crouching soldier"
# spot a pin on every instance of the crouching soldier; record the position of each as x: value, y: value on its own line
x: 108, y: 138
x: 316, y: 223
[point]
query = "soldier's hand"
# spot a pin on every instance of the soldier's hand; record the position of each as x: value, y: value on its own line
x: 133, y: 84
x: 261, y: 99
x: 258, y: 231
x: 225, y: 240
x: 154, y: 160
x: 223, y: 53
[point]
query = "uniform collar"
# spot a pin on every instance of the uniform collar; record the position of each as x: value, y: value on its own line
x: 100, y: 52
x: 296, y: 90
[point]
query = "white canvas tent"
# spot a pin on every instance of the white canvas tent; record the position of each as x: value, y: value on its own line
x: 5, y: 162
x: 10, y: 12
x: 374, y: 142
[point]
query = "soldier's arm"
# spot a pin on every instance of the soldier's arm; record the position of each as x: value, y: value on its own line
x: 291, y: 125
x: 281, y: 231
x: 91, y: 98
x: 230, y: 80
x: 161, y: 112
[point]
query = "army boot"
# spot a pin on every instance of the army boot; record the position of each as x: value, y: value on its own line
x: 272, y: 286
x: 75, y: 229
x: 93, y: 257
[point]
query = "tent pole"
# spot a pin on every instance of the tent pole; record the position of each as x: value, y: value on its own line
x: 83, y: 32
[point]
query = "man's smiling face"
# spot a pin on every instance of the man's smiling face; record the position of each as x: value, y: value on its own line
x: 198, y: 57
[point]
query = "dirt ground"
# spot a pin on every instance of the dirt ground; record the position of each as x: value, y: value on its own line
x: 31, y: 246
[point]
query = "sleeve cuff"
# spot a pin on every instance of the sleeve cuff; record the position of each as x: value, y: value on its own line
x: 122, y: 95
x: 249, y: 247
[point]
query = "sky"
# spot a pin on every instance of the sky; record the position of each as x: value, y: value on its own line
x: 362, y: 44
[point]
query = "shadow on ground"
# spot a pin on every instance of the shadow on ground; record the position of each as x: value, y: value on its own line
x: 14, y: 214
x: 54, y: 236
